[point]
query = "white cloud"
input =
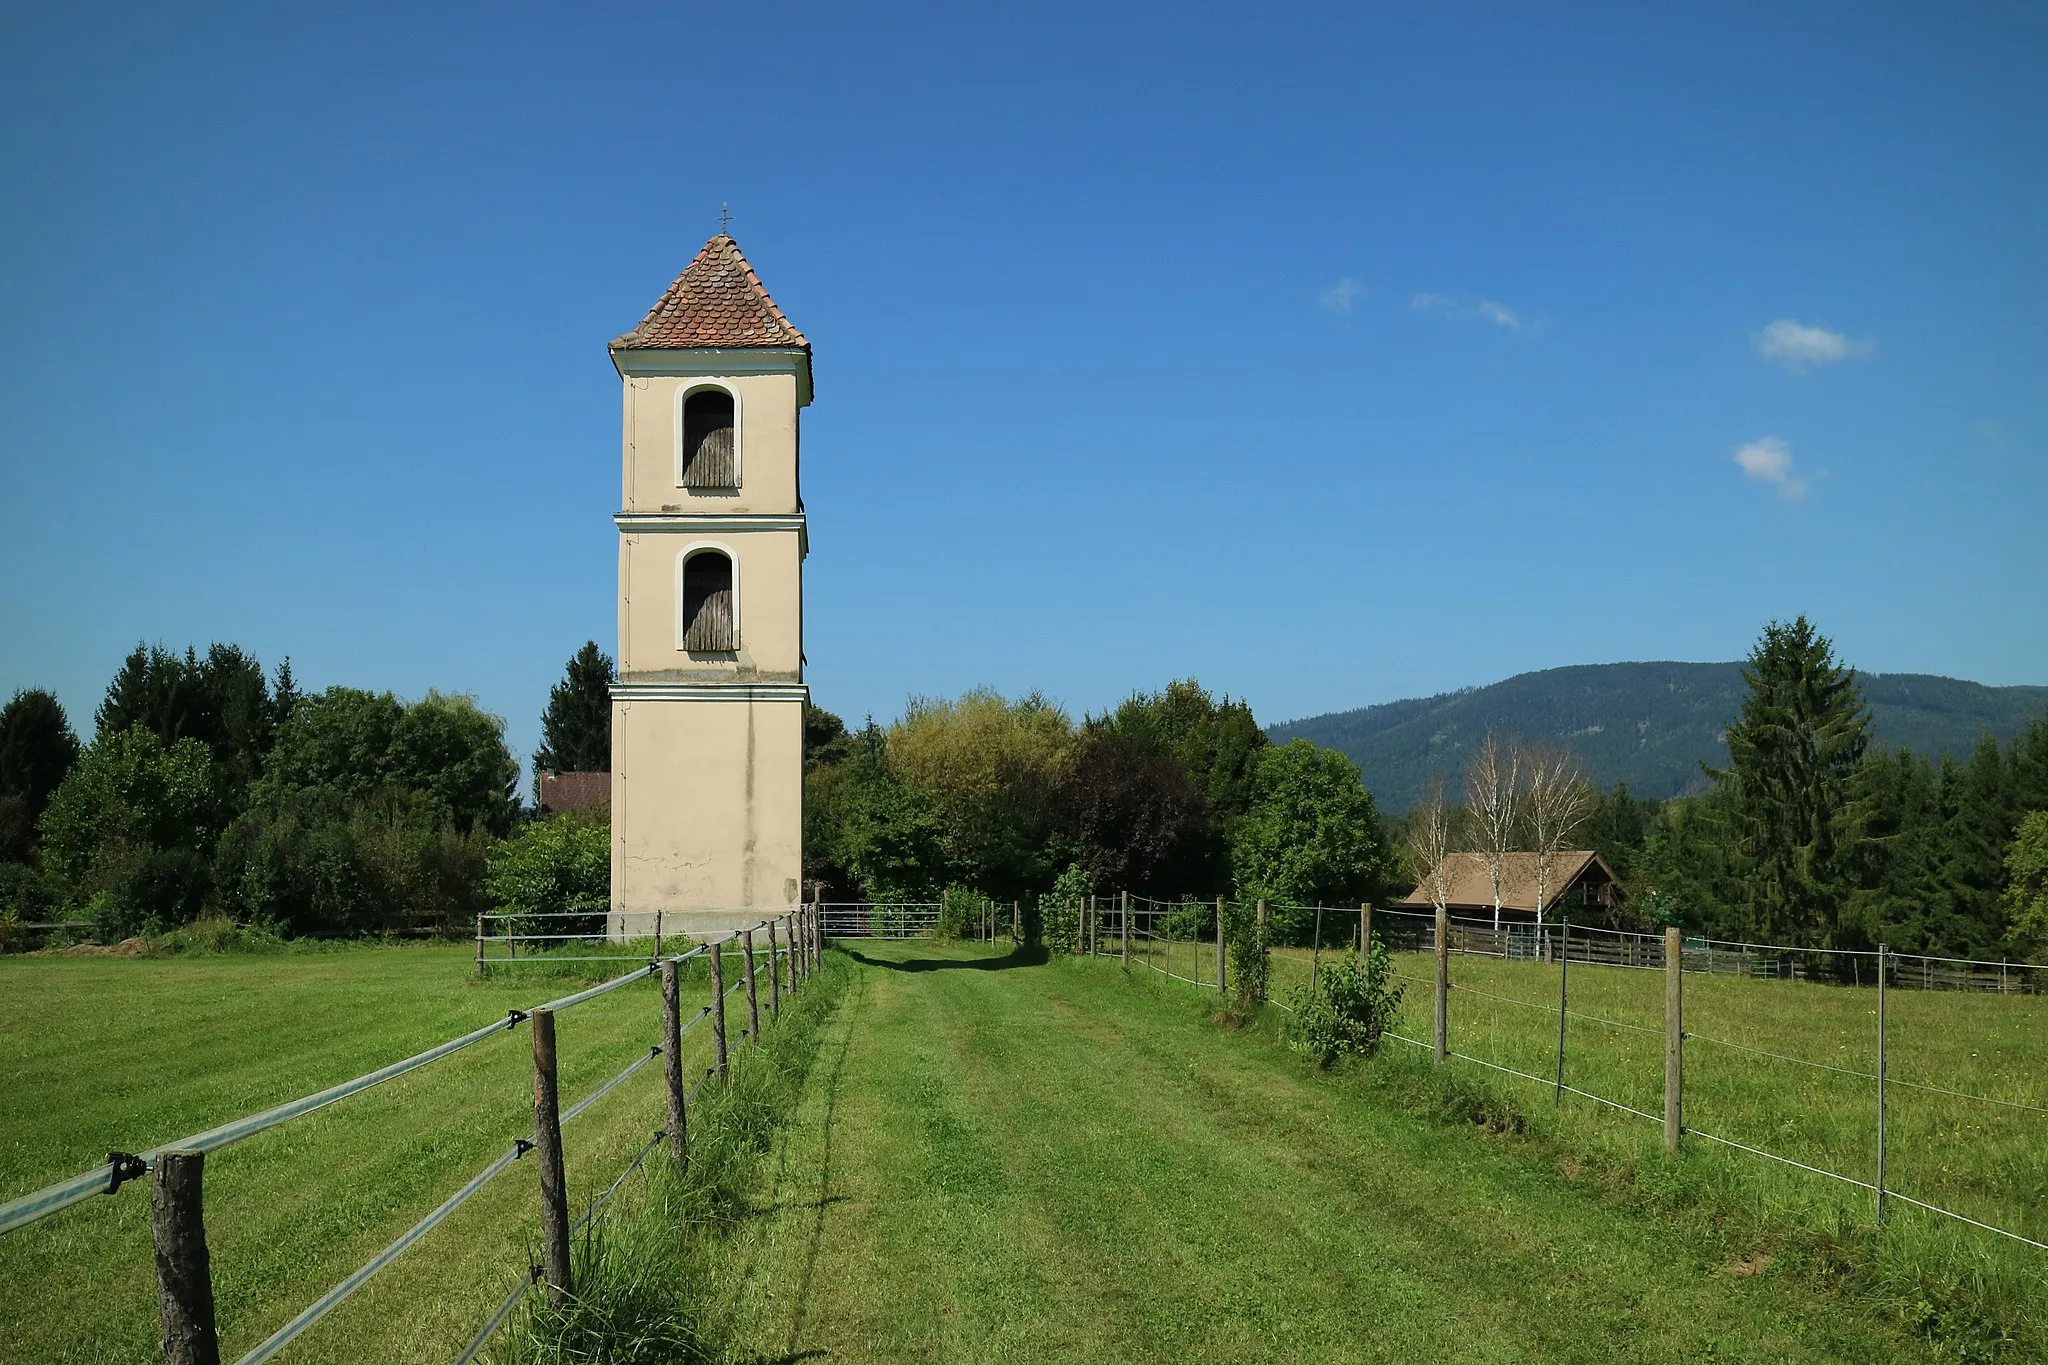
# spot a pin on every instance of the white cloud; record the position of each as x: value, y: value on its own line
x: 1499, y: 315
x: 1447, y: 305
x: 1796, y: 346
x: 1768, y: 459
x: 1339, y: 297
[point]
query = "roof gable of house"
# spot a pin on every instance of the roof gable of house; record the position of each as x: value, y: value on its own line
x: 1471, y: 879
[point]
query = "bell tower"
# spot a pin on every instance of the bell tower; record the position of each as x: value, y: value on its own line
x: 708, y: 711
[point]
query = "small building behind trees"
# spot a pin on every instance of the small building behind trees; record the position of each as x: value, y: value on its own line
x: 1579, y: 886
x: 573, y: 791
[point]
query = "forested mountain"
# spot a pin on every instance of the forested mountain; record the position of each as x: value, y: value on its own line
x: 1650, y: 725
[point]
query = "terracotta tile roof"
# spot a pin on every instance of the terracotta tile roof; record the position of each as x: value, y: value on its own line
x: 717, y: 301
x: 574, y: 791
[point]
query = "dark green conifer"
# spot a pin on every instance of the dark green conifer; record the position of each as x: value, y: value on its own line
x: 576, y: 728
x: 37, y: 749
x: 1794, y: 758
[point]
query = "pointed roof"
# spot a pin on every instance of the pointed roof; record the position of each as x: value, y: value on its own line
x: 717, y: 301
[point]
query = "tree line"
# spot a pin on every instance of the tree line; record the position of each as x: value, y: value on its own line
x: 1170, y: 794
x: 211, y: 787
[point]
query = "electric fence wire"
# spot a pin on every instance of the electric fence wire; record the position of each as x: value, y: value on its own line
x: 336, y: 1296
x: 101, y: 1180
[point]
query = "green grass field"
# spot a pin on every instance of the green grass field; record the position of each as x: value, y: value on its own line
x: 987, y: 1159
x: 107, y: 1053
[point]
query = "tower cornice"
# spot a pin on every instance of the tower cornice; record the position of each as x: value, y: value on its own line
x: 717, y: 362
x: 714, y: 524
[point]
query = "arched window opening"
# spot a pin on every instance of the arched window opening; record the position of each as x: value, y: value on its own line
x: 707, y: 603
x: 708, y: 440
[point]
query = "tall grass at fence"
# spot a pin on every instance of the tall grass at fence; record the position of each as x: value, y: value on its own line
x: 652, y: 1278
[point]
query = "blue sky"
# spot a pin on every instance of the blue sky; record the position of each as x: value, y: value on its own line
x: 1327, y: 355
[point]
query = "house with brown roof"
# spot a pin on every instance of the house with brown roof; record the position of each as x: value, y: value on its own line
x: 1580, y: 886
x: 573, y: 791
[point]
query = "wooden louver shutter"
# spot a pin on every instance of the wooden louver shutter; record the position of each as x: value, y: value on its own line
x: 707, y: 603
x: 707, y: 440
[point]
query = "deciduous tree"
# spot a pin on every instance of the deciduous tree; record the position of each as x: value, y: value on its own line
x: 1311, y: 837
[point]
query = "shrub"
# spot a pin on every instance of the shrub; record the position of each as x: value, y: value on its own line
x: 1060, y: 909
x: 1193, y: 920
x: 1347, y: 1011
x: 558, y: 865
x: 959, y: 913
x: 315, y: 862
x: 1250, y: 950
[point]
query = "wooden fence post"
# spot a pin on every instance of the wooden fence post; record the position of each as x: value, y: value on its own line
x: 657, y: 937
x: 1880, y: 1084
x: 1443, y: 986
x: 184, y: 1272
x: 547, y: 1149
x: 1564, y: 976
x: 1315, y: 960
x: 1219, y: 945
x: 1365, y: 936
x: 479, y: 943
x: 1123, y: 919
x: 814, y: 930
x: 672, y: 1060
x: 774, y: 975
x: 1674, y: 1037
x: 718, y: 1008
x: 1265, y: 953
x: 753, y: 998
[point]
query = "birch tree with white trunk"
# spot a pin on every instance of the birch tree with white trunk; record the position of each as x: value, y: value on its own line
x: 1493, y: 802
x: 1557, y: 801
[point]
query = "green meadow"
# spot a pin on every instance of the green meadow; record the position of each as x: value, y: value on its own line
x: 982, y: 1156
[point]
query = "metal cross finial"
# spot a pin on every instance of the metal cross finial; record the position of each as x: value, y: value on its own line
x: 724, y: 218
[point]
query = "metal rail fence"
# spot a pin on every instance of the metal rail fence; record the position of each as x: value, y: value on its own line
x: 1577, y: 1039
x: 879, y: 919
x: 185, y: 1291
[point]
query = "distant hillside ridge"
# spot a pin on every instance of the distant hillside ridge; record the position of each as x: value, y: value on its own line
x: 1650, y: 725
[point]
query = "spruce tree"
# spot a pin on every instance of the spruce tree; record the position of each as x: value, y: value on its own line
x: 1794, y: 758
x: 576, y: 728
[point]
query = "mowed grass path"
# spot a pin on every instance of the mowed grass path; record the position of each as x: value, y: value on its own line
x: 1006, y: 1162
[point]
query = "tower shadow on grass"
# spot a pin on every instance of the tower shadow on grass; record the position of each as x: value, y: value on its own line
x: 1016, y: 957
